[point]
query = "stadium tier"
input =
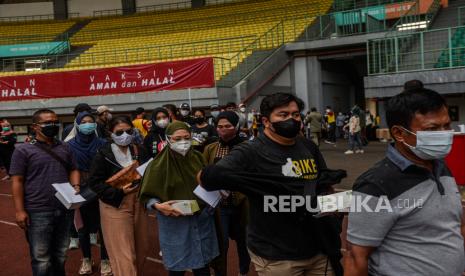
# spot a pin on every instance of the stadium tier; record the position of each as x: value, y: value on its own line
x: 454, y: 55
x: 229, y: 33
x: 15, y: 33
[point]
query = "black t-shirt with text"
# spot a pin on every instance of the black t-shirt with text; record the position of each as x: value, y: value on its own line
x: 274, y: 236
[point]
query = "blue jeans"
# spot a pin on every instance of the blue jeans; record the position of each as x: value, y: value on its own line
x: 355, y: 140
x: 48, y: 236
x: 231, y: 228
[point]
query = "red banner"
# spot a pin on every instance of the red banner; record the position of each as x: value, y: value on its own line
x: 197, y: 73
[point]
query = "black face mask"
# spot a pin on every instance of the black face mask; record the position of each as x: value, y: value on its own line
x: 50, y: 131
x: 199, y: 120
x: 288, y: 128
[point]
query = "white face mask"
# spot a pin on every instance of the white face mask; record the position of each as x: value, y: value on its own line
x: 432, y: 145
x: 184, y: 112
x: 215, y: 114
x: 162, y: 123
x: 122, y: 140
x: 242, y: 109
x: 181, y: 147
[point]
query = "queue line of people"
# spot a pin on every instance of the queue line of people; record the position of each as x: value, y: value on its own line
x: 278, y: 162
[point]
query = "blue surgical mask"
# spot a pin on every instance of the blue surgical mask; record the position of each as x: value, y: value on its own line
x: 432, y: 145
x: 87, y: 128
x: 215, y: 114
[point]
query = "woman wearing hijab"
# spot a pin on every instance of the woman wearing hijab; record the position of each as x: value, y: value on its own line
x: 233, y: 208
x: 155, y: 141
x: 7, y: 145
x: 123, y: 218
x: 186, y: 241
x: 84, y: 147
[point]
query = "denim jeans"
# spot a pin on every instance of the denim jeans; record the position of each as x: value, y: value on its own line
x: 355, y: 140
x: 232, y: 228
x: 48, y: 236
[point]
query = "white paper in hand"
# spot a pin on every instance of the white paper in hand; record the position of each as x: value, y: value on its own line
x: 141, y: 169
x: 67, y: 195
x: 338, y: 202
x: 211, y: 198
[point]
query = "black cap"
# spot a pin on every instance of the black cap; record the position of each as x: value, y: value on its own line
x: 140, y: 110
x: 184, y: 106
x: 83, y: 107
x: 215, y: 107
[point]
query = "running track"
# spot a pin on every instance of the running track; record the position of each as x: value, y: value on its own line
x: 15, y: 261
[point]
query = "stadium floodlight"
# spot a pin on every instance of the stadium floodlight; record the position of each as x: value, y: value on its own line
x: 413, y: 26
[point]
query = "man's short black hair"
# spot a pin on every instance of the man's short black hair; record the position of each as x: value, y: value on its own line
x: 401, y: 108
x: 38, y: 113
x: 271, y: 102
x: 313, y: 109
x: 230, y: 104
x: 140, y: 110
x: 413, y: 85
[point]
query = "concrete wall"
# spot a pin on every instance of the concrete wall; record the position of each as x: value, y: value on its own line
x: 142, y: 3
x: 446, y: 81
x: 120, y: 102
x: 25, y: 9
x: 87, y: 7
x: 337, y: 92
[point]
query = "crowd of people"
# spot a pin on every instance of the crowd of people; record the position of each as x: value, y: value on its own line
x: 357, y: 126
x: 247, y: 156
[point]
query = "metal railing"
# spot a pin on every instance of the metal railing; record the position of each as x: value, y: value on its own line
x: 235, y: 68
x: 38, y: 17
x: 441, y: 48
x: 345, y: 23
x: 396, y: 51
x: 342, y: 5
x: 461, y: 16
x: 8, y: 40
x: 164, y: 7
x: 64, y: 46
x: 225, y: 46
x: 160, y: 7
x: 275, y: 14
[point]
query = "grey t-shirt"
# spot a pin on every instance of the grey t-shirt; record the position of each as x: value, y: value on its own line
x: 420, y: 234
x: 40, y: 171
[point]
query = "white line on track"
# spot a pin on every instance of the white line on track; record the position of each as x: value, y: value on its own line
x: 158, y: 261
x: 8, y: 195
x: 8, y: 223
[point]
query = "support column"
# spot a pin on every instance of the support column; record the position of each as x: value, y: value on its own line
x: 307, y: 79
x: 129, y: 6
x: 60, y: 9
x: 198, y: 3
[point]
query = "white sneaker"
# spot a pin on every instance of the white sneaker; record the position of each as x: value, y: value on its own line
x: 357, y: 151
x: 349, y: 152
x: 74, y: 243
x: 93, y: 238
x: 86, y: 267
x: 105, y: 268
x: 361, y: 151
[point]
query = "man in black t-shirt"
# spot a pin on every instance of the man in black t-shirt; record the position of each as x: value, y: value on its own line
x: 280, y: 243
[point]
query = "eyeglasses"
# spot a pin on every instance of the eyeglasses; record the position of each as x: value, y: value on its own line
x: 128, y: 131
